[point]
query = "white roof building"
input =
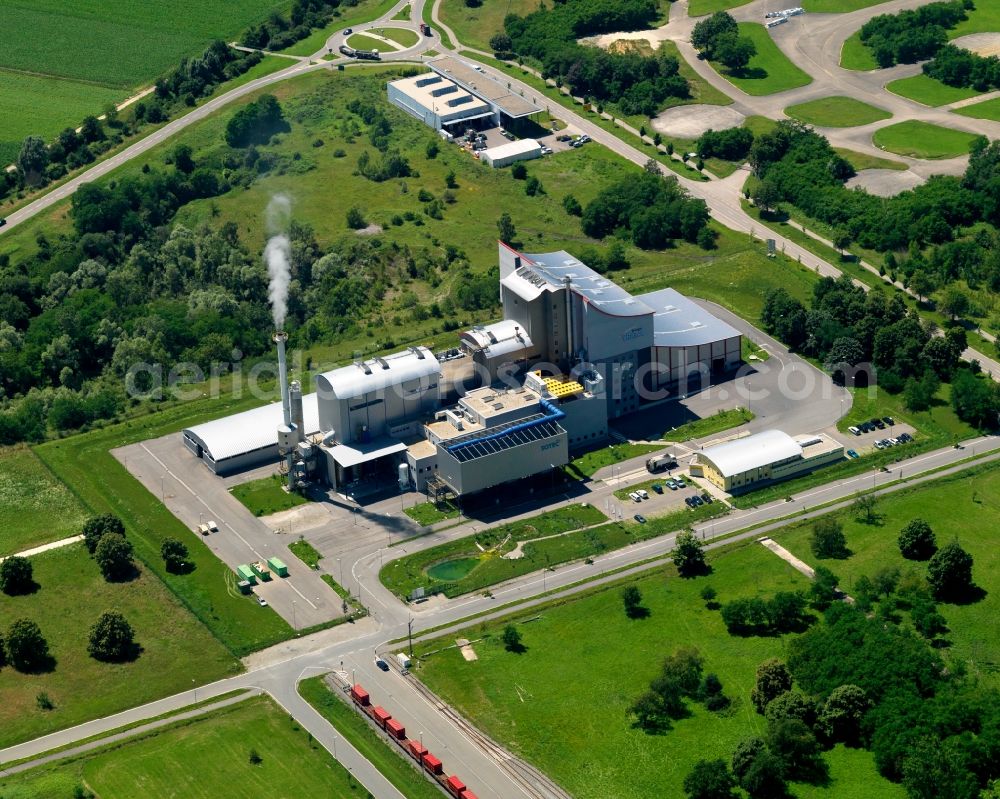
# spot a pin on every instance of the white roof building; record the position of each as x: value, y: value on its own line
x: 364, y: 377
x: 753, y: 452
x: 504, y: 154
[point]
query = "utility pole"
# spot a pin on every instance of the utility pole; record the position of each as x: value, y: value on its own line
x: 409, y: 627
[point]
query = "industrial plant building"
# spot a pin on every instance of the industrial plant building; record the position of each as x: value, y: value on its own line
x: 514, y: 399
x: 766, y: 457
x: 455, y: 96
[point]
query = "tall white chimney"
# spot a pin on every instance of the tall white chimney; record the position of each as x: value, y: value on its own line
x: 280, y: 337
x: 298, y: 417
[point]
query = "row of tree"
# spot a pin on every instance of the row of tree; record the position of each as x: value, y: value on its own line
x: 912, y: 35
x: 959, y: 67
x: 278, y: 32
x: 638, y: 84
x: 111, y: 640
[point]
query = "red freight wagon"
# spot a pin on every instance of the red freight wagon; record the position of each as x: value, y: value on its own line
x: 455, y: 786
x: 381, y: 715
x: 395, y: 729
x: 416, y: 749
x: 432, y: 764
x: 467, y: 794
x: 360, y: 695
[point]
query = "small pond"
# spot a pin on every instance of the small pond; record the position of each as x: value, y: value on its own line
x: 451, y: 570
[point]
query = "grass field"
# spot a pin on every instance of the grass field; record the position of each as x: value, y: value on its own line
x: 857, y: 56
x: 364, y: 11
x: 699, y: 8
x: 865, y: 161
x: 837, y: 6
x: 923, y: 140
x: 403, y: 13
x: 427, y: 513
x: 723, y: 420
x: 402, y: 36
x: 701, y: 90
x: 929, y: 91
x: 306, y: 552
x: 360, y: 41
x: 267, y: 495
x: 988, y: 109
x: 54, y: 103
x: 589, y: 462
x: 86, y: 466
x: 837, y: 112
x: 475, y: 26
x: 984, y: 18
x: 966, y: 507
x: 770, y: 71
x: 400, y: 771
x: 35, y: 508
x: 526, y: 701
x: 176, y: 649
x: 202, y: 758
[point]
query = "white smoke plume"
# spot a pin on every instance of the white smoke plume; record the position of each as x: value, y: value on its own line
x: 278, y: 255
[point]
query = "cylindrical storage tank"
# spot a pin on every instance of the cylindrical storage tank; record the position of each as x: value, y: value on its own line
x: 403, y: 474
x: 287, y: 439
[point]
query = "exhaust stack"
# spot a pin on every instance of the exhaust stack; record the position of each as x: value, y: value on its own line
x: 280, y: 337
x: 298, y: 418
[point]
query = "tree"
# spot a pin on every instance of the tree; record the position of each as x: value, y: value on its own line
x: 112, y: 639
x: 506, y: 229
x: 772, y: 680
x: 955, y: 302
x: 450, y: 180
x: 766, y: 196
x: 355, y: 218
x: 32, y: 160
x: 917, y: 540
x: 256, y: 122
x: 572, y: 205
x: 632, y: 598
x: 974, y: 399
x: 519, y: 171
x: 91, y: 129
x: 950, y: 572
x: 823, y: 590
x: 919, y: 394
x: 828, y: 539
x: 864, y: 508
x: 792, y: 742
x: 791, y: 705
x: 27, y: 649
x: 183, y: 160
x: 710, y: 779
x: 744, y: 755
x: 840, y: 718
x: 688, y: 555
x: 533, y: 186
x: 432, y: 149
x: 114, y: 557
x: 512, y: 639
x: 500, y: 43
x: 735, y: 52
x: 96, y: 526
x: 16, y: 576
x: 174, y: 554
x: 842, y: 240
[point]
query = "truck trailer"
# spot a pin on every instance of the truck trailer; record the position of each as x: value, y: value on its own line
x: 661, y: 462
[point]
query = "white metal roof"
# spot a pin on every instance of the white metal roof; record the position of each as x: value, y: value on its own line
x: 752, y: 452
x: 361, y: 452
x: 681, y: 322
x: 251, y: 430
x: 499, y: 338
x: 377, y: 374
x: 519, y: 147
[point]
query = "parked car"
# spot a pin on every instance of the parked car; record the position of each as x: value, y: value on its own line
x: 348, y: 31
x: 657, y: 488
x: 689, y: 501
x: 3, y: 221
x: 854, y: 430
x: 904, y: 437
x: 697, y: 500
x: 888, y: 420
x: 643, y: 493
x: 380, y: 662
x: 707, y: 497
x: 546, y: 151
x: 671, y: 485
x: 878, y: 423
x: 262, y: 602
x: 640, y: 518
x: 852, y: 454
x: 879, y: 445
x: 563, y: 137
x: 634, y: 496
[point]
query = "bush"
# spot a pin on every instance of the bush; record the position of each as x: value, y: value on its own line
x: 828, y: 539
x: 27, y: 650
x: 355, y: 219
x: 773, y: 679
x: 96, y: 526
x: 112, y: 639
x: 519, y: 171
x: 114, y: 557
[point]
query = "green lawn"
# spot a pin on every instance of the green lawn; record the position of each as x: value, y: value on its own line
x: 770, y: 71
x: 86, y: 466
x: 699, y: 8
x: 984, y: 18
x: 403, y: 13
x: 701, y: 90
x: 837, y: 6
x: 428, y: 513
x: 364, y: 11
x: 202, y: 758
x: 35, y: 508
x: 723, y: 420
x: 966, y: 507
x: 929, y: 91
x: 837, y: 112
x: 988, y: 109
x: 865, y: 161
x: 528, y: 700
x: 403, y: 36
x: 306, y: 552
x: 857, y: 56
x: 267, y: 495
x: 360, y: 41
x: 54, y: 103
x: 399, y: 770
x: 177, y: 651
x: 589, y: 462
x: 475, y: 26
x: 923, y: 140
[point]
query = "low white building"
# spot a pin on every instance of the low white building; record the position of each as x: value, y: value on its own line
x: 506, y: 154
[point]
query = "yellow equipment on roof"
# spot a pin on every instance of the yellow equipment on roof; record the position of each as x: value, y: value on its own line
x: 559, y: 388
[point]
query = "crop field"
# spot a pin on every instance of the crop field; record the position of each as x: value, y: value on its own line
x: 526, y: 701
x: 923, y: 140
x: 770, y: 71
x: 837, y: 112
x: 929, y: 91
x: 964, y: 507
x: 35, y: 508
x: 988, y: 109
x: 201, y: 758
x: 854, y: 55
x: 72, y: 594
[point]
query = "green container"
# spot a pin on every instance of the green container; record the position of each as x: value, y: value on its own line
x: 278, y: 566
x: 244, y: 572
x: 261, y: 570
